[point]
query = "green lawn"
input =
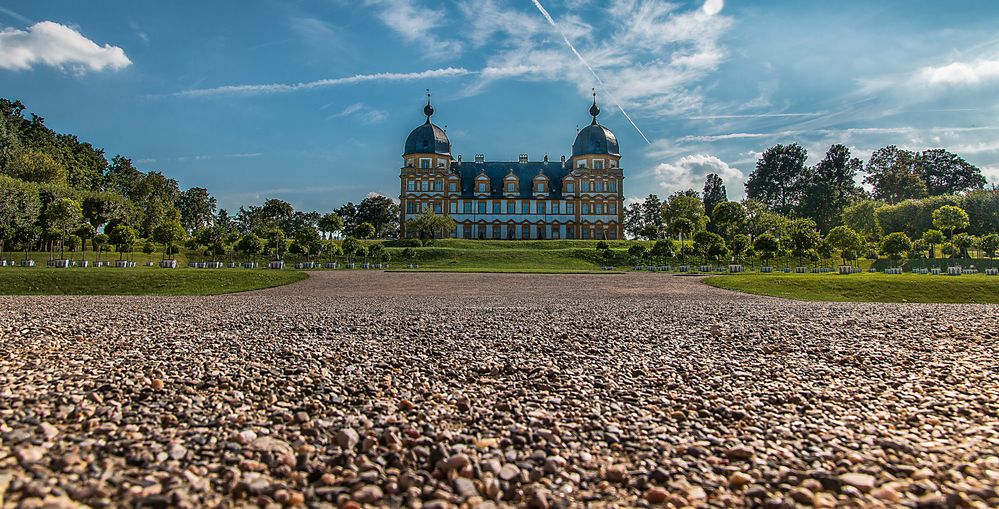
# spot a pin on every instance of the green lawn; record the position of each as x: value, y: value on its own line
x: 866, y: 287
x: 139, y: 281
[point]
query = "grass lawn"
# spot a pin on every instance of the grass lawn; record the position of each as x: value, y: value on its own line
x: 139, y: 281
x: 866, y: 287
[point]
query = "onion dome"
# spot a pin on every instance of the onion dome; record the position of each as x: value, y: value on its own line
x: 595, y: 138
x: 428, y: 138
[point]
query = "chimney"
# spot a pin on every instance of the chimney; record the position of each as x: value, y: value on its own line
x: 563, y: 160
x: 546, y: 158
x: 480, y: 158
x: 522, y: 159
x: 459, y: 158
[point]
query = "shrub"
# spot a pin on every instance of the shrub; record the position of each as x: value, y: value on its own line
x: 601, y: 245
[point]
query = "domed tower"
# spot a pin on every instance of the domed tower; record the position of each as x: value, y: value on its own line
x: 595, y: 181
x: 426, y: 170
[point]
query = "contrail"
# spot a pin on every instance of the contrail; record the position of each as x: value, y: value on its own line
x: 585, y: 63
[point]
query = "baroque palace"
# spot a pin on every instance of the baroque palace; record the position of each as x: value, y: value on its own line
x: 579, y: 198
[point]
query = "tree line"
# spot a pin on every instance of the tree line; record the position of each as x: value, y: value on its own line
x: 917, y: 202
x: 56, y: 190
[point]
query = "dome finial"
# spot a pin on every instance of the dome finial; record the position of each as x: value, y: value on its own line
x: 594, y: 110
x: 428, y: 110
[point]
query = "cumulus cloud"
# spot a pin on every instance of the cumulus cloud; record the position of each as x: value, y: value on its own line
x: 416, y: 24
x: 689, y: 172
x: 961, y: 73
x: 59, y: 46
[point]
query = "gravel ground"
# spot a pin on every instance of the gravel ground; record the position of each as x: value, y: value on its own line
x: 447, y: 390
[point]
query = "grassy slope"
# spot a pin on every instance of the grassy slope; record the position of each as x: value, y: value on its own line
x: 866, y: 287
x: 139, y: 281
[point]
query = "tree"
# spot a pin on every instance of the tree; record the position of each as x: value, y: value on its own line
x: 100, y: 240
x: 710, y: 245
x: 739, y: 245
x: 27, y: 236
x: 947, y: 173
x: 250, y: 244
x: 123, y: 238
x: 350, y: 247
x: 828, y: 187
x: 64, y: 213
x: 949, y: 218
x: 990, y: 244
x: 331, y: 224
x: 652, y: 216
x: 122, y: 178
x: 894, y: 245
x: 714, y: 193
x: 101, y: 208
x: 633, y: 222
x: 307, y: 241
x: 637, y: 252
x: 845, y: 240
x: 380, y: 212
x: 776, y: 181
x: 803, y: 238
x: 20, y: 207
x: 687, y: 206
x: 149, y: 248
x: 197, y: 208
x: 932, y: 239
x: 861, y: 216
x: 348, y: 212
x: 364, y: 231
x: 36, y: 166
x: 430, y: 224
x: 965, y: 242
x: 891, y: 172
x: 84, y: 231
x: 169, y: 233
x: 662, y: 249
x: 728, y: 217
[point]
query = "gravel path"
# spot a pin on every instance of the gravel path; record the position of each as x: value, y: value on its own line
x: 447, y: 390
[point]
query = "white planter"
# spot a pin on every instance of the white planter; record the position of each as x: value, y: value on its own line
x: 992, y: 272
x: 954, y: 271
x: 231, y: 265
x: 935, y: 271
x: 201, y: 265
x: 275, y: 265
x: 845, y: 269
x: 893, y: 270
x: 3, y: 263
x: 331, y: 265
x: 27, y: 263
x: 62, y: 264
x: 298, y: 265
x: 969, y: 271
x: 168, y: 264
x: 249, y: 265
x: 800, y: 270
x: 736, y: 268
x: 787, y: 270
x: 412, y: 266
x: 685, y: 268
x: 365, y: 265
x: 350, y: 265
x: 378, y: 265
x: 704, y: 268
x: 121, y: 264
x: 766, y: 269
x: 192, y: 265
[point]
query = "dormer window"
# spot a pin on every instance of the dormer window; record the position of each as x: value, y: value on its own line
x: 540, y: 187
x: 598, y: 164
x: 410, y: 185
x: 511, y: 187
x: 453, y: 187
x: 482, y: 187
x: 570, y: 187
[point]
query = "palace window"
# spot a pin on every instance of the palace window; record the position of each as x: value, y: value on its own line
x: 570, y: 208
x: 511, y: 187
x: 438, y: 185
x: 482, y: 187
x: 525, y: 207
x: 569, y: 187
x: 496, y: 231
x: 424, y: 185
x: 586, y: 186
x: 496, y: 207
x: 454, y: 208
x: 586, y: 208
x: 541, y: 187
x: 612, y: 186
x: 600, y: 186
x: 482, y: 207
x: 441, y: 163
x: 410, y: 207
x: 598, y: 164
x: 467, y: 207
x: 410, y: 185
x: 555, y: 207
x: 424, y: 162
x: 600, y: 208
x: 438, y: 208
x: 511, y: 207
x: 541, y: 207
x: 613, y: 163
x: 612, y: 208
x: 581, y: 163
x: 453, y: 187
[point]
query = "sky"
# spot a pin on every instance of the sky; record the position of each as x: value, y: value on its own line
x: 311, y: 101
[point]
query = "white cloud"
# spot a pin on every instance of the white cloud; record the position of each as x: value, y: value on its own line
x: 961, y: 73
x: 712, y: 7
x: 59, y: 46
x: 689, y: 172
x: 416, y: 24
x: 244, y: 155
x: 364, y: 113
x: 277, y: 88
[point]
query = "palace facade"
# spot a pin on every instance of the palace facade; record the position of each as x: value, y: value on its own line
x: 578, y: 198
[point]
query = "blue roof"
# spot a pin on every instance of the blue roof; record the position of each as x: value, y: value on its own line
x: 497, y: 171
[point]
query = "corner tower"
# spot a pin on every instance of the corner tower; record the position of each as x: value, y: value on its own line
x: 596, y: 180
x: 425, y: 169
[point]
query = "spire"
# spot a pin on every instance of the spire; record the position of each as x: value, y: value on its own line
x: 428, y: 110
x: 594, y: 110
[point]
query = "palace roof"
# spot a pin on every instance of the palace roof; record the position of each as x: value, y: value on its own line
x: 497, y: 171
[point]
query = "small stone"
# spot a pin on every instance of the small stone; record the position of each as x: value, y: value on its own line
x: 465, y: 487
x: 509, y: 471
x: 347, y: 439
x: 740, y: 453
x: 407, y: 405
x: 801, y: 495
x: 738, y: 479
x: 177, y: 452
x: 863, y: 482
x: 296, y: 498
x: 656, y: 495
x: 554, y: 464
x: 457, y: 462
x: 368, y: 494
x: 30, y: 455
x: 616, y: 473
x: 886, y: 493
x: 48, y: 431
x: 157, y: 384
x: 824, y: 500
x: 302, y: 417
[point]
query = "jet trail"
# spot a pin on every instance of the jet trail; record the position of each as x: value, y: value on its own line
x: 585, y: 63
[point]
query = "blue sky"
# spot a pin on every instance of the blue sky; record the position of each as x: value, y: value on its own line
x: 311, y: 101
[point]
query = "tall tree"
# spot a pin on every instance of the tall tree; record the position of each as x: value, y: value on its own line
x: 861, y: 216
x: 348, y: 212
x: 947, y: 173
x: 949, y: 218
x: 714, y: 193
x: 382, y: 213
x: 197, y: 208
x: 729, y: 217
x: 37, y: 166
x: 64, y: 213
x: 123, y: 178
x: 331, y: 224
x: 652, y: 213
x: 829, y: 186
x: 776, y: 181
x: 891, y: 172
x: 633, y: 221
